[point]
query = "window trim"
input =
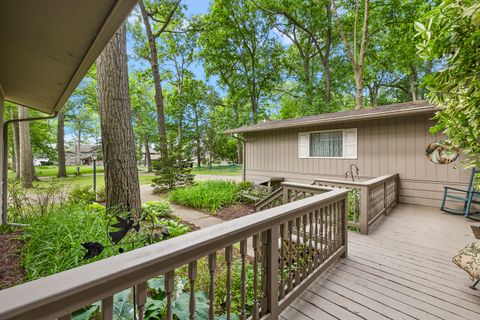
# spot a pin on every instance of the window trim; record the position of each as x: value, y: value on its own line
x: 344, y: 132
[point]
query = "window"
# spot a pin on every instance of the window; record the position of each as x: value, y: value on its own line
x: 340, y: 143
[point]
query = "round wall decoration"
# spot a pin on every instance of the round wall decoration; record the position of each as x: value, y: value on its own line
x: 441, y: 152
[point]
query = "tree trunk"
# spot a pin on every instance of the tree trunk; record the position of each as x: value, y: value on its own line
x: 62, y: 170
x: 121, y: 174
x: 26, y: 157
x: 359, y: 89
x: 180, y: 129
x: 239, y: 152
x: 412, y: 77
x: 148, y: 157
x: 78, y: 151
x: 153, y: 59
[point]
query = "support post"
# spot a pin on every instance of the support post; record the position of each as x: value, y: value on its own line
x: 272, y: 278
x: 364, y: 210
x: 345, y: 226
x: 2, y: 161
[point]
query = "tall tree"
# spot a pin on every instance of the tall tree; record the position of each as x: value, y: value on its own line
x: 239, y: 40
x: 26, y: 157
x: 161, y: 14
x: 144, y: 114
x: 309, y: 28
x: 62, y: 170
x: 354, y: 52
x: 451, y: 32
x: 121, y: 174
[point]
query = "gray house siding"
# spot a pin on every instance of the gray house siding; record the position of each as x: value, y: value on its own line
x: 391, y: 145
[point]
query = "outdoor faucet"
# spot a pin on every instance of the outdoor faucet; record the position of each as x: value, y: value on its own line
x: 350, y: 172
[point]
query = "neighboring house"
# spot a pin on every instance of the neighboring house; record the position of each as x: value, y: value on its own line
x: 86, y: 152
x: 154, y: 155
x: 383, y: 140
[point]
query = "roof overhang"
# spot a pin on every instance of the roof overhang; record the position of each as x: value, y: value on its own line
x: 48, y: 46
x: 397, y: 110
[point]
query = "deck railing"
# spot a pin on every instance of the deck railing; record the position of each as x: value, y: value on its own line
x: 289, y: 192
x: 369, y: 199
x: 283, y: 249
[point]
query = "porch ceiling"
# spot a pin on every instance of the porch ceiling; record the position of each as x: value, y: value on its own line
x: 48, y: 46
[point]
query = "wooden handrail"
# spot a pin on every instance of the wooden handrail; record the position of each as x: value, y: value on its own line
x: 366, y: 217
x: 59, y: 295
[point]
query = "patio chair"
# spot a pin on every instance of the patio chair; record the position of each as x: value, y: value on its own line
x: 468, y: 259
x: 468, y: 197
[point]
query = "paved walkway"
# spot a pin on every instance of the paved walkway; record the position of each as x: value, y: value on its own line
x: 198, y: 218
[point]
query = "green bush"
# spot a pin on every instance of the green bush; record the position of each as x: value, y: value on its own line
x: 80, y: 194
x: 157, y: 210
x: 53, y: 241
x: 101, y: 194
x: 207, y: 195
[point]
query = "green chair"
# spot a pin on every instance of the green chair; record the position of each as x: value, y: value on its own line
x: 468, y: 197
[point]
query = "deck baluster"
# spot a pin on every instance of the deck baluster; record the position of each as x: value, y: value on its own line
x: 322, y: 235
x: 243, y: 290
x: 169, y: 284
x: 330, y: 230
x: 315, y: 251
x: 290, y: 256
x: 212, y: 267
x: 256, y: 244
x: 264, y: 255
x: 228, y: 260
x: 141, y: 298
x: 281, y: 285
x: 297, y: 252
x: 310, y: 244
x: 192, y: 276
x: 107, y: 309
x: 305, y: 248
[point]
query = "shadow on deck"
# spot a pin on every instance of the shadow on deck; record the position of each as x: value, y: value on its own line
x: 401, y: 270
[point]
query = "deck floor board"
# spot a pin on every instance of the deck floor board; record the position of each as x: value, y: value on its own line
x: 401, y: 270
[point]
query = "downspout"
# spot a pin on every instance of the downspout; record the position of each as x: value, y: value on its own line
x: 244, y: 145
x: 4, y: 220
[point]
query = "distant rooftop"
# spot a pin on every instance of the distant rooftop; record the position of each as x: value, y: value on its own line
x: 392, y: 110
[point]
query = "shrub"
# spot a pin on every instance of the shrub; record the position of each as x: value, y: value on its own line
x: 81, y: 194
x: 207, y: 195
x: 53, y: 241
x: 245, y: 185
x: 101, y: 194
x: 157, y: 210
x: 173, y: 170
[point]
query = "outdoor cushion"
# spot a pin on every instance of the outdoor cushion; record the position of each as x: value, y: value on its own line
x: 469, y: 259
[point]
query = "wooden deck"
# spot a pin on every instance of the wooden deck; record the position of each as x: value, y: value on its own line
x: 401, y: 270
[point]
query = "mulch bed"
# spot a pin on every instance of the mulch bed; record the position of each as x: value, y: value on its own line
x: 11, y: 271
x: 235, y: 211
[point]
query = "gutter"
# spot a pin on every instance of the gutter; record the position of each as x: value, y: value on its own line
x: 4, y: 217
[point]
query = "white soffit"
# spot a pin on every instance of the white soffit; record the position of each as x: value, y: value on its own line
x: 47, y: 46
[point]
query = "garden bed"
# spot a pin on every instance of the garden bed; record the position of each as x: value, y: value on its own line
x: 11, y: 271
x: 236, y: 210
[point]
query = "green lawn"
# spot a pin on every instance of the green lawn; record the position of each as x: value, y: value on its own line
x: 47, y: 173
x: 221, y: 170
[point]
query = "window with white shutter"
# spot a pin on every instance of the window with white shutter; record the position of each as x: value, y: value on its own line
x: 303, y: 145
x: 341, y: 144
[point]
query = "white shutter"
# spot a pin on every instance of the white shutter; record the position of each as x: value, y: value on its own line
x: 350, y: 143
x: 303, y: 145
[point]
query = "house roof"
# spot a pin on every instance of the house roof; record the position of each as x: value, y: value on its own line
x: 85, y: 148
x: 48, y: 46
x: 393, y: 110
